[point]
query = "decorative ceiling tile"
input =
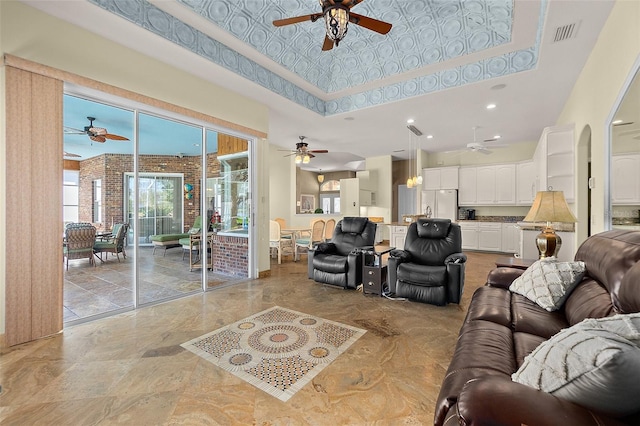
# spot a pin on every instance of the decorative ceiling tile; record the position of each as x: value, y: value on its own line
x: 424, y: 32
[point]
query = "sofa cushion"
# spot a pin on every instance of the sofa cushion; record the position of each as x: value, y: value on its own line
x: 588, y: 300
x: 595, y: 363
x: 331, y: 263
x: 549, y: 282
x: 529, y: 317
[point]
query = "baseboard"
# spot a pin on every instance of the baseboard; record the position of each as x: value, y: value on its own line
x: 264, y: 274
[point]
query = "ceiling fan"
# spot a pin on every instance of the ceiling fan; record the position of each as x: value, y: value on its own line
x: 96, y: 134
x: 480, y: 146
x: 303, y: 153
x: 337, y: 15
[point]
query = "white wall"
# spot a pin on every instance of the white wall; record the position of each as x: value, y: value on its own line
x: 30, y: 34
x: 594, y: 94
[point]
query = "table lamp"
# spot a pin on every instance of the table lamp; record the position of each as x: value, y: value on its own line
x: 549, y: 206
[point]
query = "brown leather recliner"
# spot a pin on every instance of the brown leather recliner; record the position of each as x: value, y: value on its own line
x: 501, y: 328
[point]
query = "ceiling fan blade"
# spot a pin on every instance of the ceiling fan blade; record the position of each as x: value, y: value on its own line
x: 114, y: 137
x: 296, y: 19
x: 353, y: 3
x: 328, y: 43
x: 72, y: 131
x: 370, y: 23
x: 319, y: 151
x: 100, y: 139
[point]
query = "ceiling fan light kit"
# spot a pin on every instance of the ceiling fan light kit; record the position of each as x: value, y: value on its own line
x: 336, y: 19
x: 337, y: 16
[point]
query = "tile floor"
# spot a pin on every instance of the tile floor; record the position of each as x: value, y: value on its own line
x: 108, y: 287
x: 130, y: 369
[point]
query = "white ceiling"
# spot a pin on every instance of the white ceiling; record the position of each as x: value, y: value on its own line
x: 364, y: 112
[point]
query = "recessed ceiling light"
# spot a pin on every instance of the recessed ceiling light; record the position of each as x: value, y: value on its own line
x: 491, y: 106
x: 429, y: 136
x: 349, y: 118
x: 410, y: 121
x: 498, y: 87
x: 617, y: 122
x: 497, y: 137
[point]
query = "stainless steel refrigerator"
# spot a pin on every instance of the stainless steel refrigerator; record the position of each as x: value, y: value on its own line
x: 442, y: 204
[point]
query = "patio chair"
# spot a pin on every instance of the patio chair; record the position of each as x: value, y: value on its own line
x: 278, y: 242
x: 79, y: 239
x: 113, y: 244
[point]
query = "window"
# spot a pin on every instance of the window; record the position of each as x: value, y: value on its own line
x: 97, y: 201
x: 330, y: 197
x: 70, y: 184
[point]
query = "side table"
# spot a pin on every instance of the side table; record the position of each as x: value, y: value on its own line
x: 514, y: 262
x: 374, y: 271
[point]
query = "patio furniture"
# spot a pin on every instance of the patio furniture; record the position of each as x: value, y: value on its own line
x: 307, y: 239
x: 113, y: 244
x: 79, y: 239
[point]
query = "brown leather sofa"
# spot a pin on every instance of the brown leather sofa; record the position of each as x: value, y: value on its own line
x: 502, y: 327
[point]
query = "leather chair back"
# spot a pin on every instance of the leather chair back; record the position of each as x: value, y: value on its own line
x: 430, y: 241
x: 353, y: 232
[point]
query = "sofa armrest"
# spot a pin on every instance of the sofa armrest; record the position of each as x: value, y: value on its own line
x: 503, y: 277
x: 325, y: 248
x: 494, y: 400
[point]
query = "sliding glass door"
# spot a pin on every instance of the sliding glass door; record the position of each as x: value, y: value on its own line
x: 179, y: 188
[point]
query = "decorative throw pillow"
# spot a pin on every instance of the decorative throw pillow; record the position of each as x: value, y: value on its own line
x: 549, y: 282
x: 590, y: 365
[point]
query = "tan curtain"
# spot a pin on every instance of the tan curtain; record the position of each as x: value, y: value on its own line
x: 34, y: 206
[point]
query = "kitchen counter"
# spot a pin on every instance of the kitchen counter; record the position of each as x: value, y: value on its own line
x: 538, y: 226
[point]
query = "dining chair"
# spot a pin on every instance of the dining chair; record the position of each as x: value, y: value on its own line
x: 329, y: 226
x: 308, y: 238
x: 277, y: 242
x: 283, y: 225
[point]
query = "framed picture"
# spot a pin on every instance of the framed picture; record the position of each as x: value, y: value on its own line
x: 307, y: 203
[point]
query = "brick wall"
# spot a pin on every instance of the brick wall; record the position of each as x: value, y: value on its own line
x: 230, y: 255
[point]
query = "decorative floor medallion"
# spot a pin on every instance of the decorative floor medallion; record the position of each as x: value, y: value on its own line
x: 277, y: 350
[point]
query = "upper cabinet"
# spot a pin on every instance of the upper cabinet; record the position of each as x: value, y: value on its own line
x: 487, y: 185
x: 440, y: 178
x: 526, y: 183
x: 555, y: 161
x: 467, y: 192
x: 625, y: 179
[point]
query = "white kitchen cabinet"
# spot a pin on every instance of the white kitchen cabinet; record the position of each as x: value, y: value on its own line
x: 505, y: 184
x: 510, y: 238
x: 625, y: 179
x: 490, y: 236
x: 350, y: 197
x: 469, y: 232
x: 365, y: 197
x: 467, y: 188
x: 485, y: 185
x: 440, y: 178
x: 554, y: 161
x: 525, y: 183
x: 398, y: 235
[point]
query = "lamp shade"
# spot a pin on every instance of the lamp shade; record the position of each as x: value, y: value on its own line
x: 320, y: 178
x: 298, y: 158
x: 550, y: 206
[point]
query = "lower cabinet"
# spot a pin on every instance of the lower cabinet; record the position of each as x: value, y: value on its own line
x: 469, y: 232
x: 490, y: 236
x: 398, y: 234
x: 510, y: 238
